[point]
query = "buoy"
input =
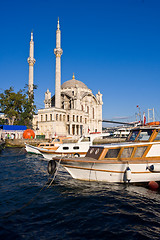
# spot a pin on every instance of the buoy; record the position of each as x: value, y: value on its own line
x: 153, y: 185
x: 128, y: 174
x: 154, y: 123
x: 52, y: 167
x: 28, y: 134
x: 154, y: 168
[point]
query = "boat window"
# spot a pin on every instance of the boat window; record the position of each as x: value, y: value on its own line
x: 144, y: 135
x: 158, y: 136
x: 47, y: 145
x: 76, y: 147
x: 127, y: 152
x: 133, y: 135
x: 140, y: 151
x: 97, y: 151
x: 65, y: 148
x: 86, y: 139
x: 112, y: 153
x: 52, y: 145
x: 41, y: 145
x: 94, y: 152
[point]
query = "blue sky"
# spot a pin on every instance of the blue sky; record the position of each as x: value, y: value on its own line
x: 111, y: 45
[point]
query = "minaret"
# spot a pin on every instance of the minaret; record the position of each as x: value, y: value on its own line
x: 31, y: 62
x: 58, y: 52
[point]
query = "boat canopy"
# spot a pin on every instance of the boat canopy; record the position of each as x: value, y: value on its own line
x: 13, y: 127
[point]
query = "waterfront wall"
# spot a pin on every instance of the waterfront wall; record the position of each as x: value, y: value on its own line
x: 35, y: 142
x: 21, y: 142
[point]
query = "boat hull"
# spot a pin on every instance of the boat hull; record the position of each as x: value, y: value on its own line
x: 111, y: 172
x: 32, y: 149
x: 50, y: 155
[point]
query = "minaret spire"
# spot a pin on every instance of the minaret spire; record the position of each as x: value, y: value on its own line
x: 58, y: 26
x: 58, y: 52
x: 31, y: 62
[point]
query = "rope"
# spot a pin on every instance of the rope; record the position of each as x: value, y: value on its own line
x: 30, y: 201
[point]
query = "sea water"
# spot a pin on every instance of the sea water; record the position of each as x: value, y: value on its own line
x: 70, y: 209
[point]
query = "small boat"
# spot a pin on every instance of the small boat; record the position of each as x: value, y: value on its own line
x: 78, y: 149
x: 137, y: 160
x: 53, y: 145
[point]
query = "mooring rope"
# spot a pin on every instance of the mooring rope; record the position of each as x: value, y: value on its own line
x: 30, y: 201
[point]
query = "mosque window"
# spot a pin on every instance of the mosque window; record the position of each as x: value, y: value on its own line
x: 64, y: 118
x: 46, y: 117
x: 41, y: 118
x: 60, y: 117
x: 50, y: 117
x: 73, y: 93
x: 85, y: 120
x: 68, y: 118
x: 87, y: 109
x: 77, y: 118
x: 56, y: 117
x: 63, y: 104
x: 73, y: 118
x: 80, y: 118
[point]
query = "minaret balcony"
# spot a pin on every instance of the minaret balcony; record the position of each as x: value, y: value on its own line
x: 31, y: 61
x: 58, y: 52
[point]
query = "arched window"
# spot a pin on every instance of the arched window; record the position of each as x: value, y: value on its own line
x: 82, y: 107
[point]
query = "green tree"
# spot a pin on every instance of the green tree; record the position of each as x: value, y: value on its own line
x: 18, y: 107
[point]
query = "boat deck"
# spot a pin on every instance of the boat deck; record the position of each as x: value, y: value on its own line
x: 92, y: 160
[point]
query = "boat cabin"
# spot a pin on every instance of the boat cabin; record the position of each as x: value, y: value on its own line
x: 143, y: 143
x: 54, y: 143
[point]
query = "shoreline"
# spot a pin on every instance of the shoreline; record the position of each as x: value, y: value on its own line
x: 35, y: 142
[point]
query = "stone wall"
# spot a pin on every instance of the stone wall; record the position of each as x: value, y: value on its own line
x: 21, y: 142
x: 35, y: 142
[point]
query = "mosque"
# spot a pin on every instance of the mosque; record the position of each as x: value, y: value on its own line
x: 74, y: 110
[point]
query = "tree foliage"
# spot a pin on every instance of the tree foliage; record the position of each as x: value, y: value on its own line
x: 18, y: 107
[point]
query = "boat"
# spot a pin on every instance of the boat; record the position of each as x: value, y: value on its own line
x: 78, y: 149
x: 53, y: 145
x: 137, y: 160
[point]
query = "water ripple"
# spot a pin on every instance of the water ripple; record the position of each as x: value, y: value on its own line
x: 71, y: 209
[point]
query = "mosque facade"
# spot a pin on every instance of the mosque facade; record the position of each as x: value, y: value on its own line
x: 73, y: 111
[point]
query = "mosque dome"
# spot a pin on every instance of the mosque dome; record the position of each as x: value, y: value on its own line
x: 73, y: 83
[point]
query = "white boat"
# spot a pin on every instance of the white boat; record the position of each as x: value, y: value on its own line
x: 137, y: 160
x: 53, y: 145
x: 78, y: 149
